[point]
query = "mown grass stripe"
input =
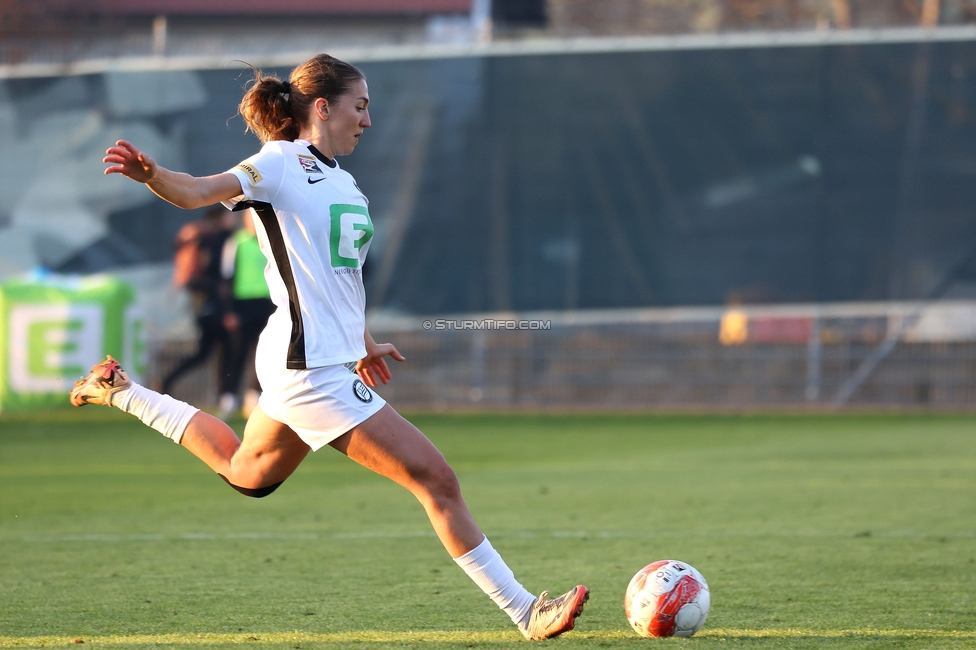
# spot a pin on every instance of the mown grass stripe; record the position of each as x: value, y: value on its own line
x: 411, y: 534
x: 797, y: 633
x: 435, y: 636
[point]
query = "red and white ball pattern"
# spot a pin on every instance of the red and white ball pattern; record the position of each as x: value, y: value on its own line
x: 667, y: 598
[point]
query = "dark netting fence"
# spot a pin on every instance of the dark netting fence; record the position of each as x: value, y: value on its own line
x: 602, y: 180
x: 630, y: 179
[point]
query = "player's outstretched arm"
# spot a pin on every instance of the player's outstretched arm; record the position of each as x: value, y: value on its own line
x: 182, y: 190
x: 372, y: 368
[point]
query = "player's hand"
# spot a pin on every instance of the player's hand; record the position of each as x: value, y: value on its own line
x: 372, y: 368
x: 129, y: 161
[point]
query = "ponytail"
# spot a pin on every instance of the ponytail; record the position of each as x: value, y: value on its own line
x: 267, y: 109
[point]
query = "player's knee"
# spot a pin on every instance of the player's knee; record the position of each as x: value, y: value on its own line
x: 256, y: 493
x: 442, y: 483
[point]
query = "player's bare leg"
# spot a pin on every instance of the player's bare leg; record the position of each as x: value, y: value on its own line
x: 392, y: 447
x: 385, y: 443
x: 269, y: 453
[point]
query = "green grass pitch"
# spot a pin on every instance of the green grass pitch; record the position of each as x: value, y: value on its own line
x: 813, y: 532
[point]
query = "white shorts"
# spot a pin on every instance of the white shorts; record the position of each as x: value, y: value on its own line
x: 319, y: 404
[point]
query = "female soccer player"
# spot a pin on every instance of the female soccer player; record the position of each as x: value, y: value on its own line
x: 315, y: 231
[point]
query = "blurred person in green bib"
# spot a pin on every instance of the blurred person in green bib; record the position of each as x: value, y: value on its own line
x: 242, y: 265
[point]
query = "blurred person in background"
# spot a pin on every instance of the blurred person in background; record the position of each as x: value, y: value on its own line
x: 242, y: 265
x: 199, y: 247
x: 316, y: 358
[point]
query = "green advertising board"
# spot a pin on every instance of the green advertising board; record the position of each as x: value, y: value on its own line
x: 53, y: 329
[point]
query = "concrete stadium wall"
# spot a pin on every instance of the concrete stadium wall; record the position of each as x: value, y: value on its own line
x: 741, y: 358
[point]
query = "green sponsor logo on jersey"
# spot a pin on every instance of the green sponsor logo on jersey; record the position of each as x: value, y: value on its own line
x: 349, y: 234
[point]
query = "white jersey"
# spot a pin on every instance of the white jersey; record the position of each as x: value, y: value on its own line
x: 313, y: 226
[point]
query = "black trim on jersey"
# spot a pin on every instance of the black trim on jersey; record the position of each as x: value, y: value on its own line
x: 296, y: 343
x: 321, y: 156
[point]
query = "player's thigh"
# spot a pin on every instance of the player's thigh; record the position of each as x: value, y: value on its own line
x: 269, y: 452
x: 393, y: 447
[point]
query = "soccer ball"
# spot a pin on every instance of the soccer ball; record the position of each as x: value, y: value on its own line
x: 667, y: 598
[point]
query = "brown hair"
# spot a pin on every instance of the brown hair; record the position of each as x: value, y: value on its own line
x: 276, y: 110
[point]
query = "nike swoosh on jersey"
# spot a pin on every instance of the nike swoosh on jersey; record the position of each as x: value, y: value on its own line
x: 317, y: 180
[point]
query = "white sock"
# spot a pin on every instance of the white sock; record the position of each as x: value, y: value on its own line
x: 486, y: 567
x: 161, y: 412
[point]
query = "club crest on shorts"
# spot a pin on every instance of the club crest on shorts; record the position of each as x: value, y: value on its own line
x: 361, y: 392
